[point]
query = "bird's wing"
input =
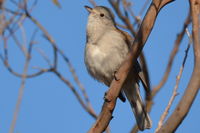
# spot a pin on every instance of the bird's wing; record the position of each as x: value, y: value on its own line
x: 137, y: 65
x: 143, y: 80
x: 127, y: 38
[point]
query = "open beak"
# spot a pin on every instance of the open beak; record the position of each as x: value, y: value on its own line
x: 89, y: 9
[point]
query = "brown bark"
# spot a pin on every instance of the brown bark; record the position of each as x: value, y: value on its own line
x: 193, y: 87
x: 112, y: 94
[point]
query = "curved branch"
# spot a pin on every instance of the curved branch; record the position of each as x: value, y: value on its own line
x: 138, y: 44
x: 87, y: 106
x: 156, y: 89
x: 130, y: 27
x: 192, y: 89
x: 89, y: 109
x: 22, y: 87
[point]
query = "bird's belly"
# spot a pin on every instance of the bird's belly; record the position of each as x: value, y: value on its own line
x: 102, y: 64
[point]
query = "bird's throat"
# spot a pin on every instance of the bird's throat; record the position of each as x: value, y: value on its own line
x: 95, y: 32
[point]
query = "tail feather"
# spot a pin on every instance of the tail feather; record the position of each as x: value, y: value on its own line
x: 142, y: 118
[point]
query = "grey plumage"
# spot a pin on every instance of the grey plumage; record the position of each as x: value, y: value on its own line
x: 106, y: 49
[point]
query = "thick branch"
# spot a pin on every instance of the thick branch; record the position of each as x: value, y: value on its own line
x: 155, y: 90
x: 193, y: 87
x: 138, y: 44
x: 128, y: 25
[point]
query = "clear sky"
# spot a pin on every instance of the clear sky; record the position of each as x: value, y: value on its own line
x: 49, y: 106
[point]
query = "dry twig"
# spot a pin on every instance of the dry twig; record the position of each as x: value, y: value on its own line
x: 12, y: 27
x: 173, y: 53
x: 21, y: 89
x: 192, y: 89
x: 125, y: 19
x: 87, y: 106
x: 164, y: 115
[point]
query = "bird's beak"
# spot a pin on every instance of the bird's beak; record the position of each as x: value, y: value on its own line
x: 89, y: 9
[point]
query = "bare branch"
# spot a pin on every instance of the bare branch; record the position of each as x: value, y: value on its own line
x: 42, y: 53
x: 172, y: 55
x: 155, y: 90
x: 93, y: 2
x: 144, y: 7
x: 87, y: 106
x: 129, y: 26
x: 125, y: 19
x: 21, y: 89
x: 115, y: 88
x: 192, y: 89
x: 164, y: 115
x: 5, y: 60
x: 13, y: 25
x: 1, y: 3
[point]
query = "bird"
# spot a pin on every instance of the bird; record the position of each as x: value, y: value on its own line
x: 106, y: 48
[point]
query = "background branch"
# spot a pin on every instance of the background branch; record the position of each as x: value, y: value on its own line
x: 155, y: 90
x: 22, y: 86
x: 44, y: 58
x: 23, y: 13
x: 175, y: 93
x: 173, y: 53
x: 192, y: 89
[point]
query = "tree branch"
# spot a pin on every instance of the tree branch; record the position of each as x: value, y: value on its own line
x: 22, y: 86
x: 155, y: 90
x: 192, y: 89
x: 138, y: 44
x: 174, y: 94
x: 126, y: 20
x: 173, y: 53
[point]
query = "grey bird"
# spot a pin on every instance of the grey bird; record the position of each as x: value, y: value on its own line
x: 106, y: 49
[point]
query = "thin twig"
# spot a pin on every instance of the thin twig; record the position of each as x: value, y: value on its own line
x: 19, y: 99
x: 165, y: 113
x: 5, y: 60
x: 93, y: 3
x: 172, y: 55
x: 87, y: 106
x: 144, y: 7
x: 193, y: 86
x: 88, y: 109
x: 45, y: 57
x: 125, y: 19
x: 21, y: 89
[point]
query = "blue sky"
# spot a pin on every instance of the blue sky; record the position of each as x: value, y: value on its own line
x: 49, y: 106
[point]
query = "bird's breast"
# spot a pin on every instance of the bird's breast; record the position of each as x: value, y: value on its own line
x: 104, y: 57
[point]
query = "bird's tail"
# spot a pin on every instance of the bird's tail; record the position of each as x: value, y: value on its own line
x: 142, y: 118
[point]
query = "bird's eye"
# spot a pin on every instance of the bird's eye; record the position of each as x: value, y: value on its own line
x: 102, y: 15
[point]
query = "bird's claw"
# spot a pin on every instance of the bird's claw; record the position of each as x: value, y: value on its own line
x: 115, y: 77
